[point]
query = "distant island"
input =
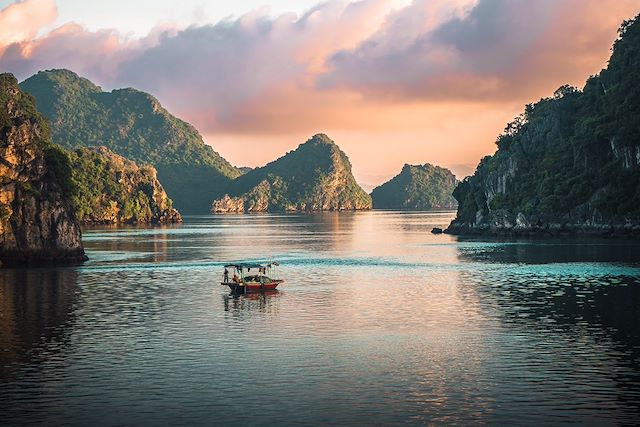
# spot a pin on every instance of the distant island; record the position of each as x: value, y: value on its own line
x: 418, y: 187
x: 37, y: 222
x: 314, y: 177
x: 132, y: 124
x: 570, y: 163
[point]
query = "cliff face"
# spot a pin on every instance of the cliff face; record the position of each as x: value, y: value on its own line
x: 36, y: 221
x: 569, y: 163
x: 133, y: 124
x: 107, y: 188
x: 417, y: 188
x: 315, y: 177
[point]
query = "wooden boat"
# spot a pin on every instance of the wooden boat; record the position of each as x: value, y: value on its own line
x: 241, y: 279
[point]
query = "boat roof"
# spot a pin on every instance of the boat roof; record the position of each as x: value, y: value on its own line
x: 240, y: 266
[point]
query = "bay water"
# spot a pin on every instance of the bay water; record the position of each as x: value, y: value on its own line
x: 379, y: 322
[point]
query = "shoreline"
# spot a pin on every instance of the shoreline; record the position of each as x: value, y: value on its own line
x: 548, y: 230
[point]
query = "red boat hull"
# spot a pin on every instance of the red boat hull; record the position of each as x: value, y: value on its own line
x: 253, y: 287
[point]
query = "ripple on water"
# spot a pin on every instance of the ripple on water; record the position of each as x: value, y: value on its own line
x: 379, y: 322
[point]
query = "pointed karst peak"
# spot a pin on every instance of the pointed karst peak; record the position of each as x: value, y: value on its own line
x: 7, y: 80
x: 408, y: 168
x: 314, y: 177
x: 320, y: 143
x: 320, y: 138
x: 417, y: 187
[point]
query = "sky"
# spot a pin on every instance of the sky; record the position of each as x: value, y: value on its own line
x: 391, y: 81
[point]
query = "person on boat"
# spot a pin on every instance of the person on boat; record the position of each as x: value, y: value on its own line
x: 235, y: 278
x: 226, y: 276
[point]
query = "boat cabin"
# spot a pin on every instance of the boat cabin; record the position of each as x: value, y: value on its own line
x: 251, y: 277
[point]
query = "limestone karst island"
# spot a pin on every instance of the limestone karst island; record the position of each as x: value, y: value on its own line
x: 346, y: 213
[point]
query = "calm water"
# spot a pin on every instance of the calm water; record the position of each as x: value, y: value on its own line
x: 379, y: 322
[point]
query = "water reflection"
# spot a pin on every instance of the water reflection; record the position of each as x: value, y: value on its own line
x: 580, y: 320
x: 118, y: 243
x: 262, y: 302
x: 378, y: 322
x: 36, y: 314
x: 552, y: 250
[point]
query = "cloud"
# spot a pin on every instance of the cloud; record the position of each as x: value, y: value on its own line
x: 238, y: 73
x: 496, y: 50
x: 418, y: 80
x: 96, y: 55
x: 245, y: 74
x: 22, y: 20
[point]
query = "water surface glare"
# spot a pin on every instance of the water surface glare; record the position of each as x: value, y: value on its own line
x: 379, y: 322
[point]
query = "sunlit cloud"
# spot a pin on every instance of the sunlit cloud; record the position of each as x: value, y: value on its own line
x: 365, y: 70
x: 22, y: 20
x: 499, y: 50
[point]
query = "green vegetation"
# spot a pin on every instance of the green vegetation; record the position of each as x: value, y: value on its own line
x: 42, y: 226
x: 25, y: 111
x: 132, y: 124
x: 314, y: 177
x: 572, y: 157
x: 25, y: 108
x: 416, y: 188
x: 105, y: 187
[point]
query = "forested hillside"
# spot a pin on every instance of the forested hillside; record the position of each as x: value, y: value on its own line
x: 132, y: 124
x: 570, y: 162
x: 314, y: 177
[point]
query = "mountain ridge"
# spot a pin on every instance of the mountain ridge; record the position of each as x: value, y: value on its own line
x: 132, y: 124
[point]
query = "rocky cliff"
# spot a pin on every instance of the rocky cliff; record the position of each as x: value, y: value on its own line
x: 314, y: 177
x: 570, y: 163
x: 108, y: 188
x: 133, y: 124
x: 37, y: 224
x: 417, y: 188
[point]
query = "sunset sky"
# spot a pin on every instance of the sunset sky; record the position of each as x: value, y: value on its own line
x: 392, y: 82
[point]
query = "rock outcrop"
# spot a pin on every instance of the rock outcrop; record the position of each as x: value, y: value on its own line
x: 569, y: 164
x: 417, y: 188
x: 108, y: 188
x: 314, y: 177
x: 133, y: 124
x: 37, y: 224
x: 228, y: 205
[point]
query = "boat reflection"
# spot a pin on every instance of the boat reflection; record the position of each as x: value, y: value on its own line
x: 265, y: 301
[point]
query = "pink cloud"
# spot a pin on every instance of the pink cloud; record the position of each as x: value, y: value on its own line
x: 342, y: 65
x: 217, y: 74
x: 497, y: 50
x: 22, y: 20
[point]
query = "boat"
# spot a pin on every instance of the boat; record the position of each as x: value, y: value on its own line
x: 254, y: 277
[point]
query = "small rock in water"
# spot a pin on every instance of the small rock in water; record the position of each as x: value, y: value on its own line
x: 436, y: 230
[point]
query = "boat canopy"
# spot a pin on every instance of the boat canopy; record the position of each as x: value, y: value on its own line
x: 250, y: 266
